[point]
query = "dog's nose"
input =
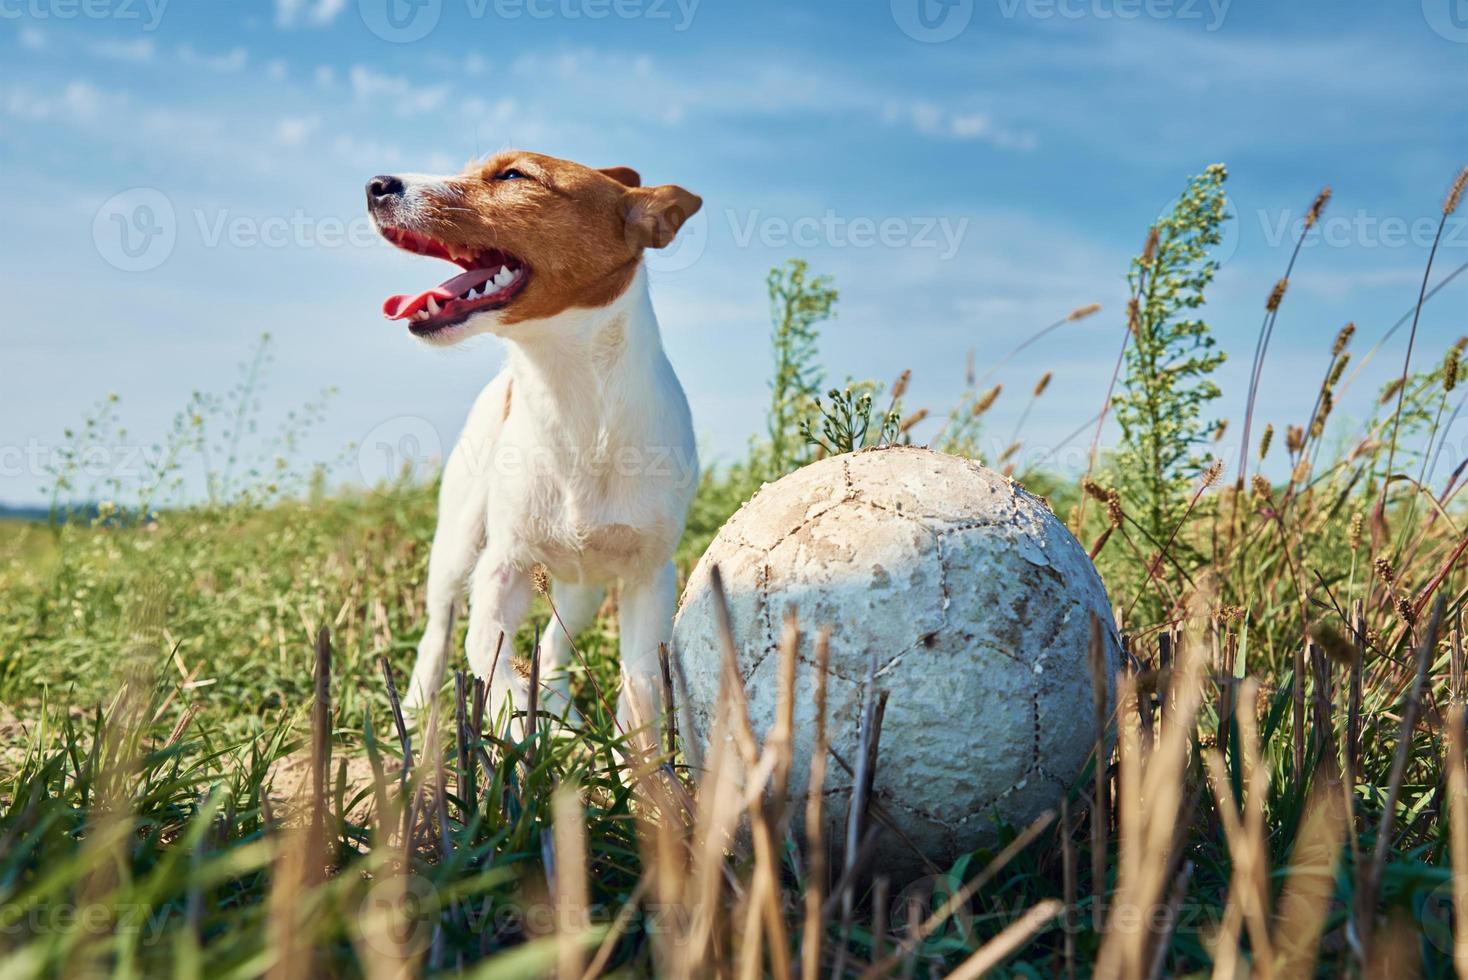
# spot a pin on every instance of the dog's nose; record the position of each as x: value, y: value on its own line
x: 383, y: 187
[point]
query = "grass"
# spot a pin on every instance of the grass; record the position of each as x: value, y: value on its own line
x: 204, y: 769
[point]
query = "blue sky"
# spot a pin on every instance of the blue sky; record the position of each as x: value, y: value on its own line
x: 1015, y: 151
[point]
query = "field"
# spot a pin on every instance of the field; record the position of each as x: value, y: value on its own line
x: 203, y: 768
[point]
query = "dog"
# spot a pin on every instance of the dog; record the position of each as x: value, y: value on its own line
x: 579, y: 456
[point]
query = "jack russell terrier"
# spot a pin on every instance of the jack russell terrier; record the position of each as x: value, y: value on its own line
x: 579, y: 456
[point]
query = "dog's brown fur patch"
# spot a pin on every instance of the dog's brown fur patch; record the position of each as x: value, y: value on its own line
x: 580, y: 231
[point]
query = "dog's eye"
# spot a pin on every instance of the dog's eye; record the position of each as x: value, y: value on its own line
x: 511, y: 174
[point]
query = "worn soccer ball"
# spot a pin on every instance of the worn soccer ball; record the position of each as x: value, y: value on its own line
x: 972, y: 600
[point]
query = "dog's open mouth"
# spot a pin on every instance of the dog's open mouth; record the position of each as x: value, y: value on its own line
x: 490, y: 280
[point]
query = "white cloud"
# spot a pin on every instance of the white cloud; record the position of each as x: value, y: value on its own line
x: 230, y: 61
x: 78, y: 101
x: 276, y: 70
x: 290, y: 13
x: 401, y: 95
x: 138, y: 51
x: 295, y: 130
x: 932, y: 120
x: 33, y: 38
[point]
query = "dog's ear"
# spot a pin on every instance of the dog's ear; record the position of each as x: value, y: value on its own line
x: 654, y: 214
x: 623, y: 175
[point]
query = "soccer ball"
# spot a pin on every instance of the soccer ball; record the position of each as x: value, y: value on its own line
x: 973, y: 600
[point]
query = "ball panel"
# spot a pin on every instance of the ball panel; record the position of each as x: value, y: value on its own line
x: 696, y: 653
x: 1065, y: 696
x: 802, y: 496
x: 931, y: 487
x: 959, y: 728
x: 843, y: 718
x: 875, y: 581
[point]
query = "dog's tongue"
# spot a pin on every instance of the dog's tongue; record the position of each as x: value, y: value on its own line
x: 402, y: 307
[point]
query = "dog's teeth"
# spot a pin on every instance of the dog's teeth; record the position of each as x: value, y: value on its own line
x: 474, y: 293
x: 433, y: 306
x: 505, y: 277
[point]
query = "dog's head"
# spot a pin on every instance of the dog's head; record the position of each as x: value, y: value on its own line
x: 534, y: 235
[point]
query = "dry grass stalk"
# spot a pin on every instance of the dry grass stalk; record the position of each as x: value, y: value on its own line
x: 1100, y: 808
x: 1012, y: 938
x: 1069, y: 888
x: 961, y: 897
x: 1370, y: 886
x: 987, y: 401
x: 1164, y: 938
x: 1455, y: 194
x: 814, y: 925
x: 1152, y: 804
x: 320, y: 755
x: 1305, y: 902
x: 572, y: 893
x: 1458, y: 834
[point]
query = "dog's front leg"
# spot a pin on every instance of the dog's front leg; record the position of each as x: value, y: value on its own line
x: 456, y: 544
x: 576, y: 606
x: 646, y: 622
x: 499, y: 598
